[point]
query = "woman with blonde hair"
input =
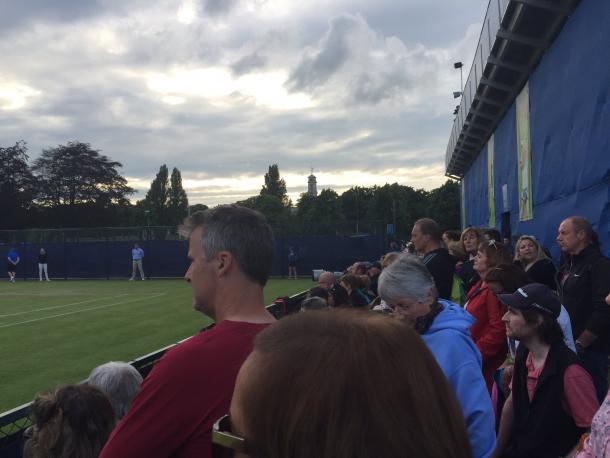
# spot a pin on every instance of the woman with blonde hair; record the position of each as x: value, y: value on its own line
x: 532, y: 258
x: 470, y: 240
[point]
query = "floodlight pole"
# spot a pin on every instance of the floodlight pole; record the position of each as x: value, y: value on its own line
x: 461, y: 80
x: 459, y: 65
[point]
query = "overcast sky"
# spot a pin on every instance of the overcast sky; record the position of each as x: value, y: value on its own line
x: 360, y: 90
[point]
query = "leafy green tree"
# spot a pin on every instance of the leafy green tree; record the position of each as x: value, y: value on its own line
x: 444, y: 205
x: 274, y: 185
x: 277, y: 214
x: 75, y: 173
x: 17, y: 186
x: 82, y: 186
x: 177, y: 201
x: 319, y: 214
x: 327, y: 211
x: 355, y: 202
x: 305, y: 207
x: 157, y: 197
x: 397, y: 204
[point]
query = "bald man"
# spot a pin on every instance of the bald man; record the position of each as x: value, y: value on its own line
x: 583, y: 285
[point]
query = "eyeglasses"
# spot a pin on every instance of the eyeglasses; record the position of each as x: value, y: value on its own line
x: 224, y: 441
x: 29, y: 432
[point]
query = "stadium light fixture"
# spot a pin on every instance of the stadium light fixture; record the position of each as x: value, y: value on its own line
x: 459, y: 65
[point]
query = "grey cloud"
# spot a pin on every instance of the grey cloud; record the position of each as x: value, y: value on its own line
x: 248, y: 63
x: 356, y: 65
x: 102, y: 97
x: 216, y: 7
x: 17, y: 13
x: 317, y: 68
x: 224, y: 143
x: 371, y: 89
x: 435, y: 23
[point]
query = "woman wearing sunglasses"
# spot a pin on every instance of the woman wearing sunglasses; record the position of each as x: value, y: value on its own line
x: 488, y: 331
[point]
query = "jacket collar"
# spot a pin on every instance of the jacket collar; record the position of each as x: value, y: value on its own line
x: 584, y: 254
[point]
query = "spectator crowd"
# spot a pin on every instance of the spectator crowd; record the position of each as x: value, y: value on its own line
x: 454, y: 347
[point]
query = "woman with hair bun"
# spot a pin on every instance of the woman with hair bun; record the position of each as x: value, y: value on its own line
x: 71, y: 422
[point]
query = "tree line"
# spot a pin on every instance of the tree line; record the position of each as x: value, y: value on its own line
x: 357, y: 210
x: 74, y: 185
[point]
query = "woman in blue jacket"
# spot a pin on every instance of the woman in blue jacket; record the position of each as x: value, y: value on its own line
x: 407, y: 287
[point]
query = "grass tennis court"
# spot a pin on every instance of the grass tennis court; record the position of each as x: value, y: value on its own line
x: 55, y: 333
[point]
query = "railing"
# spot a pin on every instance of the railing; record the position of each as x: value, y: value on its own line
x: 513, y: 40
x: 491, y: 25
x: 14, y: 422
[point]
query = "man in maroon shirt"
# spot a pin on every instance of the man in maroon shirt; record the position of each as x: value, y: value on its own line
x: 231, y: 251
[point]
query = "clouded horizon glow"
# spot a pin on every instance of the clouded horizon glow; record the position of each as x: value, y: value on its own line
x: 221, y: 89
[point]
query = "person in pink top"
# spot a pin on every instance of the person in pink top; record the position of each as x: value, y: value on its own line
x: 231, y: 252
x: 597, y: 444
x: 553, y: 399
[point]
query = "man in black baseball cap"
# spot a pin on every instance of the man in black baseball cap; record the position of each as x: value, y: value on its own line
x: 534, y: 297
x: 552, y: 400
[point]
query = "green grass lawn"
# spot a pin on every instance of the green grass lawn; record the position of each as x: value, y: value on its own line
x: 55, y: 333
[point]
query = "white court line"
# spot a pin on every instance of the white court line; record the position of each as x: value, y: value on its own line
x: 62, y: 306
x: 79, y: 311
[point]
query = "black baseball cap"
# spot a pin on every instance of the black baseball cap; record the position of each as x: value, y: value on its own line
x: 534, y: 296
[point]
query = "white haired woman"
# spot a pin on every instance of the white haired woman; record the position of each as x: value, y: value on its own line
x: 120, y: 381
x: 409, y: 289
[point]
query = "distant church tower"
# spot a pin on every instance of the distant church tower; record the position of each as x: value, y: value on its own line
x: 312, y: 187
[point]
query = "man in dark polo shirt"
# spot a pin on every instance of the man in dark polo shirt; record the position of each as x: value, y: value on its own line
x: 426, y: 236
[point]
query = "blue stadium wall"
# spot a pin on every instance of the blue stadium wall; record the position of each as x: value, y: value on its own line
x: 167, y: 258
x: 570, y: 137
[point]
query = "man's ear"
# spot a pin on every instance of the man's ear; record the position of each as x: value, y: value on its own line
x: 225, y: 261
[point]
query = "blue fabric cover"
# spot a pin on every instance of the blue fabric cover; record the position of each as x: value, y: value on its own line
x: 570, y: 125
x: 167, y: 258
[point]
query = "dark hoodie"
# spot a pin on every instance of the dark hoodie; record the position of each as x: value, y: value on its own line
x: 441, y: 266
x: 583, y: 282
